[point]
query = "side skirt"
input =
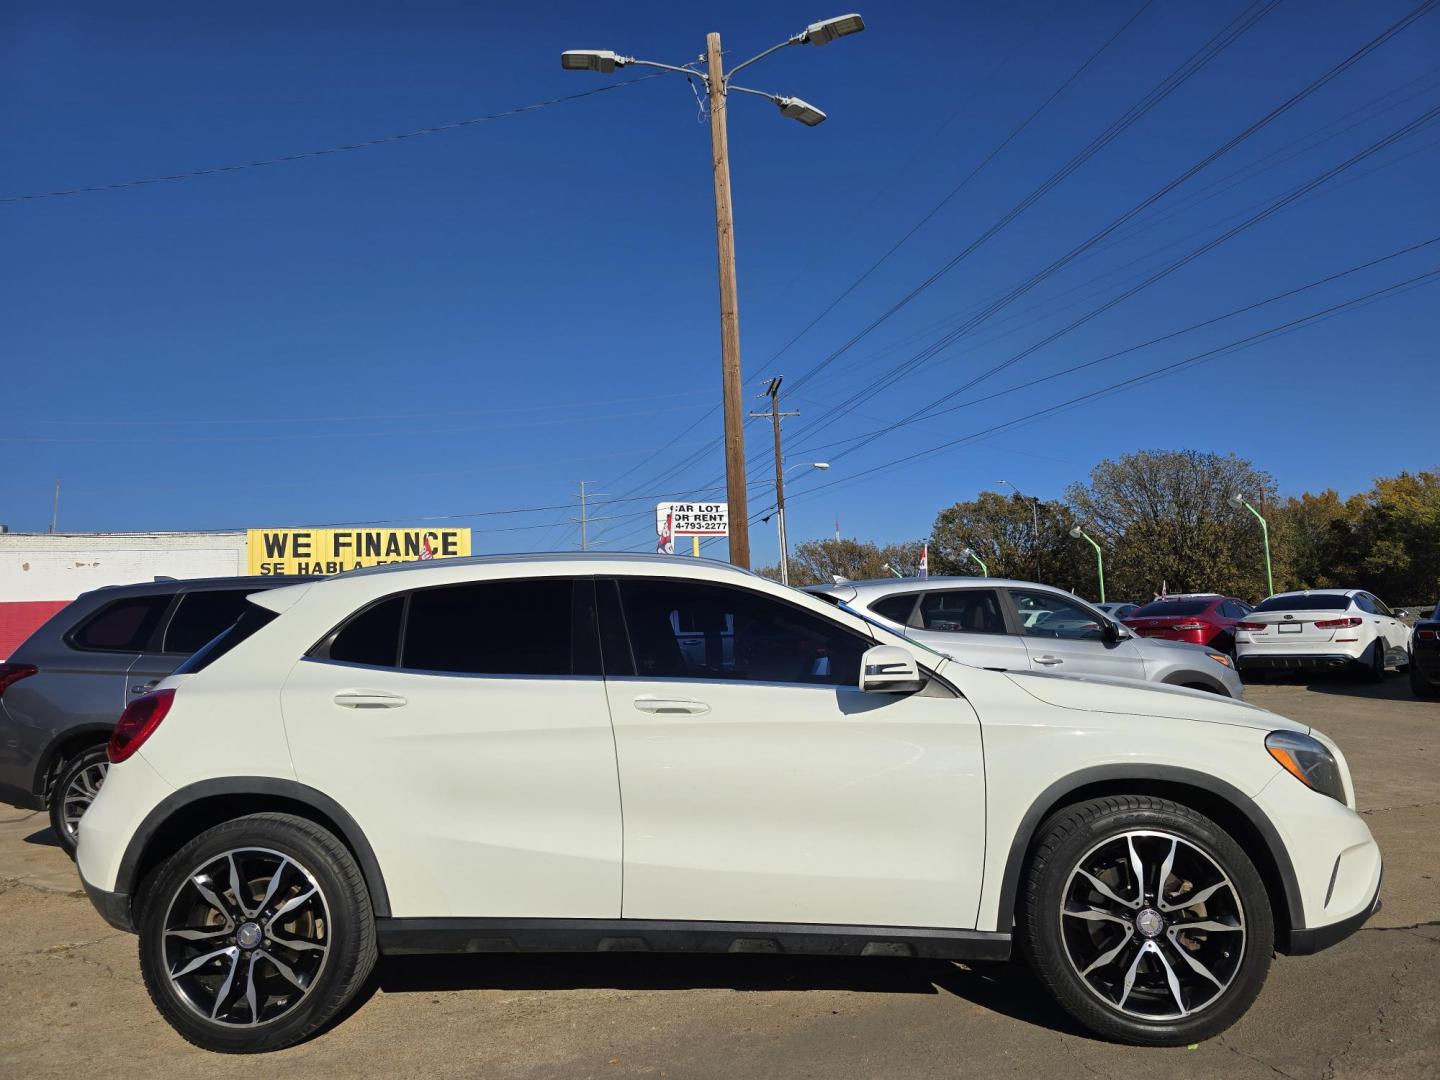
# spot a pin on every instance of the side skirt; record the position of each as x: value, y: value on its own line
x: 489, y: 935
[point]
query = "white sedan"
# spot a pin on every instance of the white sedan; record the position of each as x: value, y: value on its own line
x: 521, y: 754
x: 1323, y: 628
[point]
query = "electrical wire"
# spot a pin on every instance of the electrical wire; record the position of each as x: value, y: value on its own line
x: 303, y: 155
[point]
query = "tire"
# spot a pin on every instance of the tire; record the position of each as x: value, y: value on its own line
x: 1064, y: 939
x: 1420, y: 686
x: 1374, y: 671
x: 292, y: 954
x: 75, y: 789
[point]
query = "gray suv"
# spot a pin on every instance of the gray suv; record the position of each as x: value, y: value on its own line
x: 64, y: 688
x: 1020, y: 626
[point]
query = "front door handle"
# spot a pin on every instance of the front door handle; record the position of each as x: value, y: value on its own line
x: 368, y: 699
x: 144, y: 688
x: 671, y: 706
x: 1048, y: 661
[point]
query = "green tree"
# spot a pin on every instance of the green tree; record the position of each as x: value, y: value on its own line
x: 1164, y: 520
x: 1399, y: 538
x: 1001, y: 530
x: 819, y: 562
x: 1319, y: 535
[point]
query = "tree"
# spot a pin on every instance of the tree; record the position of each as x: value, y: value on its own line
x: 1164, y: 519
x: 819, y: 562
x: 1001, y: 530
x: 1399, y: 538
x: 1320, y: 538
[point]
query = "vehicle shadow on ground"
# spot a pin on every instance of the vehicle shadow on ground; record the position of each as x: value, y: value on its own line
x: 1008, y: 989
x: 45, y: 838
x: 1396, y: 687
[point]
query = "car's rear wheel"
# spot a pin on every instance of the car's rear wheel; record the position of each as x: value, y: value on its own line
x: 75, y: 789
x: 1420, y: 686
x: 1375, y: 670
x: 256, y: 934
x: 1146, y: 920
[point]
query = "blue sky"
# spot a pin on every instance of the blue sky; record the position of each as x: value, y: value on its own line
x: 477, y: 319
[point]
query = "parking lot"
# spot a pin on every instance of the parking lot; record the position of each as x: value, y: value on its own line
x: 73, y: 1002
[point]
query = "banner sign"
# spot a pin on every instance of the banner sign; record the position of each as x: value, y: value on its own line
x: 330, y: 551
x: 692, y: 519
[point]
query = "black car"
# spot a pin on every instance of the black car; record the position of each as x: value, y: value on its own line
x: 63, y: 689
x: 1425, y: 656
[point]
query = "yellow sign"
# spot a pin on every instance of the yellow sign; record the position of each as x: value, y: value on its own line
x: 329, y: 551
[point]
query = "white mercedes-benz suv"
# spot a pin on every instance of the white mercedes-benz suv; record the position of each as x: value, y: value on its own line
x: 555, y: 752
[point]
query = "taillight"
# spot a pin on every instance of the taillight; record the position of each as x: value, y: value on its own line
x: 1188, y: 626
x: 139, y: 720
x: 1336, y: 624
x: 13, y: 673
x: 1428, y: 635
x: 1249, y: 626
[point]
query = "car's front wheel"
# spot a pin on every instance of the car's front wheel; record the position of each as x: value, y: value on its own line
x: 1420, y: 686
x: 256, y: 934
x: 75, y: 789
x: 1146, y: 920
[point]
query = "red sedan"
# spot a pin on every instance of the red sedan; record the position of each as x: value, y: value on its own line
x: 1201, y: 618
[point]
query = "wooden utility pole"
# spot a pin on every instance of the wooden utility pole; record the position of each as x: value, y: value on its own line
x: 729, y: 311
x: 773, y: 393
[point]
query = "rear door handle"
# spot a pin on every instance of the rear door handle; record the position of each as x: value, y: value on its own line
x: 368, y: 699
x: 1048, y: 661
x: 144, y: 688
x: 671, y: 706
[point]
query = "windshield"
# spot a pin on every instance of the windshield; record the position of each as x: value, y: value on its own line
x: 893, y: 633
x: 1306, y: 602
x: 1174, y: 607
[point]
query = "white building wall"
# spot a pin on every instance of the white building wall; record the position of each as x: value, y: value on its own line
x: 60, y: 566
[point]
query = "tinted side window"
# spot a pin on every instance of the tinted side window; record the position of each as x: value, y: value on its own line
x: 1049, y: 615
x: 897, y: 609
x: 371, y: 637
x: 1381, y: 607
x: 250, y: 620
x: 124, y: 626
x: 199, y: 616
x: 492, y: 628
x: 963, y: 611
x: 736, y: 634
x: 1364, y: 603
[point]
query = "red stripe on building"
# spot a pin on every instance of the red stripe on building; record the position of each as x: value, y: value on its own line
x: 21, y: 618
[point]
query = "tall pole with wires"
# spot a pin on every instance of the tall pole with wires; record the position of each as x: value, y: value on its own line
x: 729, y: 311
x: 773, y: 393
x: 718, y: 85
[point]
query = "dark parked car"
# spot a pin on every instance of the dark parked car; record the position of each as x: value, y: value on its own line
x: 1200, y: 618
x: 64, y: 688
x: 1425, y: 656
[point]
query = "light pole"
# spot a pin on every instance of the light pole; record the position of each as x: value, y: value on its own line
x: 969, y: 553
x: 780, y: 514
x: 1237, y: 501
x: 1035, y: 522
x: 1080, y: 534
x: 718, y: 86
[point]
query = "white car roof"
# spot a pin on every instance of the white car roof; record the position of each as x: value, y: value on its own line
x: 919, y: 584
x: 1318, y: 592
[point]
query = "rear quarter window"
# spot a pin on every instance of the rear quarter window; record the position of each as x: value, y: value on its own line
x: 121, y: 626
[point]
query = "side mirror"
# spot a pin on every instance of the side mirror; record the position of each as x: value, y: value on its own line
x: 889, y: 669
x: 1110, y: 631
x: 1403, y: 613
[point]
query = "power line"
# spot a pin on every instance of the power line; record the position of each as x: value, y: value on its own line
x: 285, y: 159
x: 1161, y: 90
x: 1272, y: 208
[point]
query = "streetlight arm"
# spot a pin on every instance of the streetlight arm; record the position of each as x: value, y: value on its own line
x: 774, y: 98
x: 796, y: 40
x: 622, y: 61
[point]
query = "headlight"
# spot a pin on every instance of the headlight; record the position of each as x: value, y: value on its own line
x: 1308, y: 761
x: 1221, y: 658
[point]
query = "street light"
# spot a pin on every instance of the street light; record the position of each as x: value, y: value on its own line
x: 718, y: 84
x: 1080, y: 534
x: 1035, y: 519
x: 1237, y: 501
x: 968, y: 553
x: 780, y: 515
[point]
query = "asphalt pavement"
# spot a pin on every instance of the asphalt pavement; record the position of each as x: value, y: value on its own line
x: 73, y: 1004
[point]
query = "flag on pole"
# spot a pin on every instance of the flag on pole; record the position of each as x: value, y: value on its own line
x: 925, y: 561
x: 665, y: 545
